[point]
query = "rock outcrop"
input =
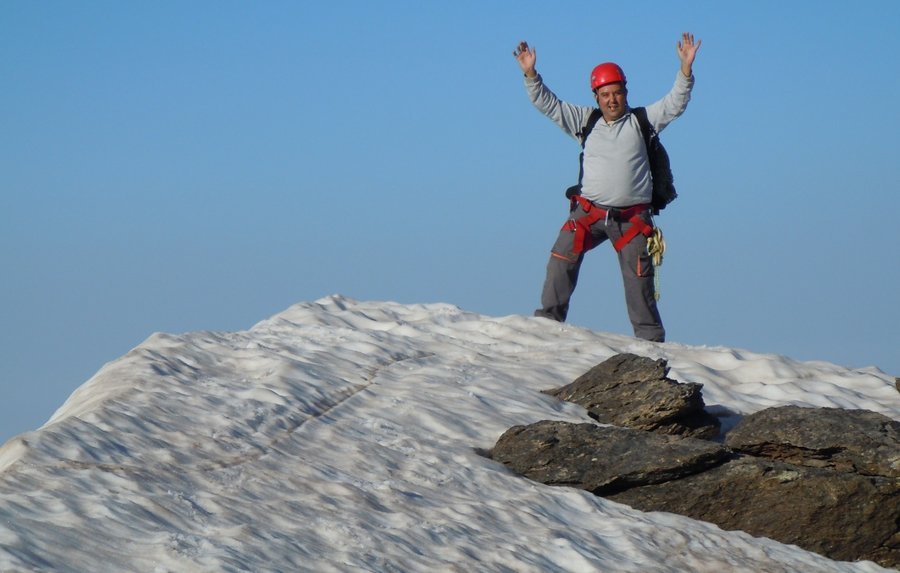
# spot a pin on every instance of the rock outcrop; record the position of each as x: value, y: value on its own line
x: 602, y: 459
x: 825, y: 479
x: 635, y: 392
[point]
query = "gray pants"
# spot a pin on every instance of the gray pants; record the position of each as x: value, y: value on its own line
x: 637, y: 276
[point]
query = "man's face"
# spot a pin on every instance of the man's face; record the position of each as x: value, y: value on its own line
x: 612, y: 99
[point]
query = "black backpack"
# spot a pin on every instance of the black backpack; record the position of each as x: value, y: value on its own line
x: 660, y: 169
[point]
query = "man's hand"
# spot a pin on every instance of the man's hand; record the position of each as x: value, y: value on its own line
x: 687, y: 51
x: 526, y: 56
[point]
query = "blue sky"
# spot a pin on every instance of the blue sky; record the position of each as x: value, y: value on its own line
x: 179, y: 166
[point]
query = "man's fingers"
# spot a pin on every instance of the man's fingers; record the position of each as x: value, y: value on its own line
x: 688, y: 43
x: 688, y: 40
x: 522, y: 47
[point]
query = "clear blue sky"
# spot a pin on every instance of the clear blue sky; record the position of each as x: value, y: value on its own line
x: 177, y: 166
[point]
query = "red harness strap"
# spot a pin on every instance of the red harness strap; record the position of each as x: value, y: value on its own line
x: 584, y: 241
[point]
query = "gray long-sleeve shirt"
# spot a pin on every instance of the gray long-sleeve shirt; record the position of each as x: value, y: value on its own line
x: 616, y: 168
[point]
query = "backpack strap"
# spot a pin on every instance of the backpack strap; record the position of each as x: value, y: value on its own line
x: 660, y: 167
x: 592, y: 120
x: 646, y: 129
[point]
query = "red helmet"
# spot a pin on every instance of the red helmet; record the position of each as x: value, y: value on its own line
x: 606, y: 73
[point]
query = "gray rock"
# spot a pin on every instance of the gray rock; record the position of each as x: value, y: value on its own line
x: 634, y: 392
x: 843, y: 516
x: 857, y: 441
x: 602, y: 459
x: 825, y: 479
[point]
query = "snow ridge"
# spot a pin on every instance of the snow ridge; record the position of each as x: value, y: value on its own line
x: 342, y: 435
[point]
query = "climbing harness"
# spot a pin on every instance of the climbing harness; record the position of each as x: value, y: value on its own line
x: 584, y: 241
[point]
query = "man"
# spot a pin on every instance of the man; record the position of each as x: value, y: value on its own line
x: 616, y: 186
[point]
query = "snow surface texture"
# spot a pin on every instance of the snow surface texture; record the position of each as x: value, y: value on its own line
x: 344, y: 436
